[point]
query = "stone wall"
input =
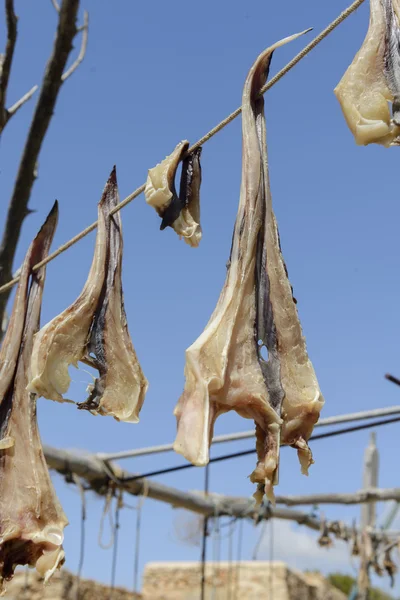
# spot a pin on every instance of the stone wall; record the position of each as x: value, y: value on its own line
x: 248, y: 580
x: 28, y: 586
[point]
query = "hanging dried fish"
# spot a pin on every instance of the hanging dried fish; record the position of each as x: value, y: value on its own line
x: 355, y: 544
x: 373, y: 79
x: 94, y: 330
x: 31, y: 518
x: 389, y: 566
x: 324, y: 539
x: 225, y: 369
x: 182, y: 212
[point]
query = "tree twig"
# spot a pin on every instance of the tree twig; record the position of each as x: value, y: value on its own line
x: 15, y: 107
x: 6, y: 59
x: 85, y: 32
x: 51, y: 84
x: 55, y: 4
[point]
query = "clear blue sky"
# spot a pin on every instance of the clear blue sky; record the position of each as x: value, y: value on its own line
x: 156, y: 73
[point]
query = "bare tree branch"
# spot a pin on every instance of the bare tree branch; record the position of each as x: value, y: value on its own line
x: 85, y: 32
x: 98, y: 476
x: 55, y: 4
x: 51, y: 84
x: 6, y: 59
x: 366, y: 495
x: 92, y: 470
x: 15, y: 107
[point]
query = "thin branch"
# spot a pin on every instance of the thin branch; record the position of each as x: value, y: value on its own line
x: 392, y: 379
x: 6, y: 59
x: 55, y: 4
x: 52, y: 82
x: 360, y: 497
x: 85, y: 32
x: 15, y: 107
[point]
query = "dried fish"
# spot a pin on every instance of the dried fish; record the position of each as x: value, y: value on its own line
x: 225, y: 369
x: 94, y: 330
x: 355, y: 542
x: 160, y: 189
x: 182, y: 212
x: 389, y: 566
x: 31, y: 518
x: 324, y: 539
x: 373, y: 79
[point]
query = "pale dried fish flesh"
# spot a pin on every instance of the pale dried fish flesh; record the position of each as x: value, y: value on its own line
x: 225, y: 369
x: 373, y: 79
x: 94, y: 330
x: 31, y: 518
x: 183, y: 214
x: 160, y: 185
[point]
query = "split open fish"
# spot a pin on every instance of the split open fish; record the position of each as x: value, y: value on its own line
x: 31, y: 518
x: 225, y: 368
x: 373, y: 80
x: 94, y: 330
x: 181, y: 212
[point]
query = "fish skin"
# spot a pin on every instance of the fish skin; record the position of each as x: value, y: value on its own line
x: 94, y: 330
x: 31, y: 518
x: 224, y: 368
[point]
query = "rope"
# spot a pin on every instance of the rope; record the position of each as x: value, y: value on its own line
x: 216, y: 552
x: 271, y: 557
x: 106, y: 510
x: 137, y: 539
x: 238, y: 559
x: 26, y: 583
x: 346, y: 13
x: 230, y: 555
x: 78, y: 482
x: 204, y: 539
x: 115, y: 548
x: 260, y: 539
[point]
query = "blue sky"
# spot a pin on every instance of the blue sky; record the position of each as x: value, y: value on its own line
x: 156, y: 73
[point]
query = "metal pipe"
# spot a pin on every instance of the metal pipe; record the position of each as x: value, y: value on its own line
x: 244, y: 435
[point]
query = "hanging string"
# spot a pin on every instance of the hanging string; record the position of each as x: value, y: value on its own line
x: 107, y: 511
x: 26, y: 583
x: 260, y: 539
x: 216, y: 552
x: 238, y: 558
x: 230, y: 558
x: 271, y: 558
x: 81, y: 489
x: 346, y: 13
x: 137, y: 538
x: 118, y: 506
x: 204, y: 539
